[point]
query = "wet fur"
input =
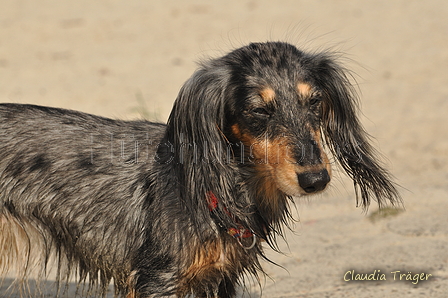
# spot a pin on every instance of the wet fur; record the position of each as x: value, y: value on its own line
x: 127, y: 200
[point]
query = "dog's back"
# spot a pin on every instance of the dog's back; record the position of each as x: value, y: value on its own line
x: 60, y: 170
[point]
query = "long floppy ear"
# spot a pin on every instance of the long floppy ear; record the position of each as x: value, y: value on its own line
x: 195, y: 132
x: 347, y: 139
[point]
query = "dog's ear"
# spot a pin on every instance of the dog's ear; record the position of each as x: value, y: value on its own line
x: 347, y: 139
x: 195, y: 132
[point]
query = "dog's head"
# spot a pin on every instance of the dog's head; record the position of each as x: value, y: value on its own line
x: 266, y: 109
x: 274, y: 109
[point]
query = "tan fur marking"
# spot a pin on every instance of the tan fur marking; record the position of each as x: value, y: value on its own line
x: 131, y: 285
x: 236, y: 131
x: 267, y: 94
x: 304, y: 89
x: 21, y: 247
x: 282, y: 166
x: 206, y: 257
x: 274, y: 164
x: 275, y: 174
x: 209, y: 259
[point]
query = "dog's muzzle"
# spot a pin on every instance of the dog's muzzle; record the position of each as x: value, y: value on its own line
x: 312, y: 182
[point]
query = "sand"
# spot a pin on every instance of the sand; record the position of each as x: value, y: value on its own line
x: 128, y: 59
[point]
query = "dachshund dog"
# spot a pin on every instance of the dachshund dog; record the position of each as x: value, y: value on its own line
x: 181, y: 209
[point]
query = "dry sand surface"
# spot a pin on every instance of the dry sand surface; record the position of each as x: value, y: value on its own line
x: 127, y: 59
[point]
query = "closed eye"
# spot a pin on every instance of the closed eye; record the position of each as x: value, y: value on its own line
x: 260, y: 112
x: 315, y: 100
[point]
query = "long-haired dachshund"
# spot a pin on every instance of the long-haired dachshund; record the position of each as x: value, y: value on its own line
x: 181, y: 209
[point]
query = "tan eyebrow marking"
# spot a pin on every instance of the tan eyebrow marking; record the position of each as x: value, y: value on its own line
x: 267, y: 94
x: 304, y: 89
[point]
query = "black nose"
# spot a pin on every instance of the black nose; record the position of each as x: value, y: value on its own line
x: 314, y: 181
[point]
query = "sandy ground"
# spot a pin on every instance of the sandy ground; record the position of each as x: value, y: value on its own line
x: 128, y: 59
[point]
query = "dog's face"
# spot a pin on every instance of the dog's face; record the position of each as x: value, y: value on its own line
x: 275, y: 112
x: 273, y: 104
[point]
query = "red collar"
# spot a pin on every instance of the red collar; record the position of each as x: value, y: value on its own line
x: 240, y: 232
